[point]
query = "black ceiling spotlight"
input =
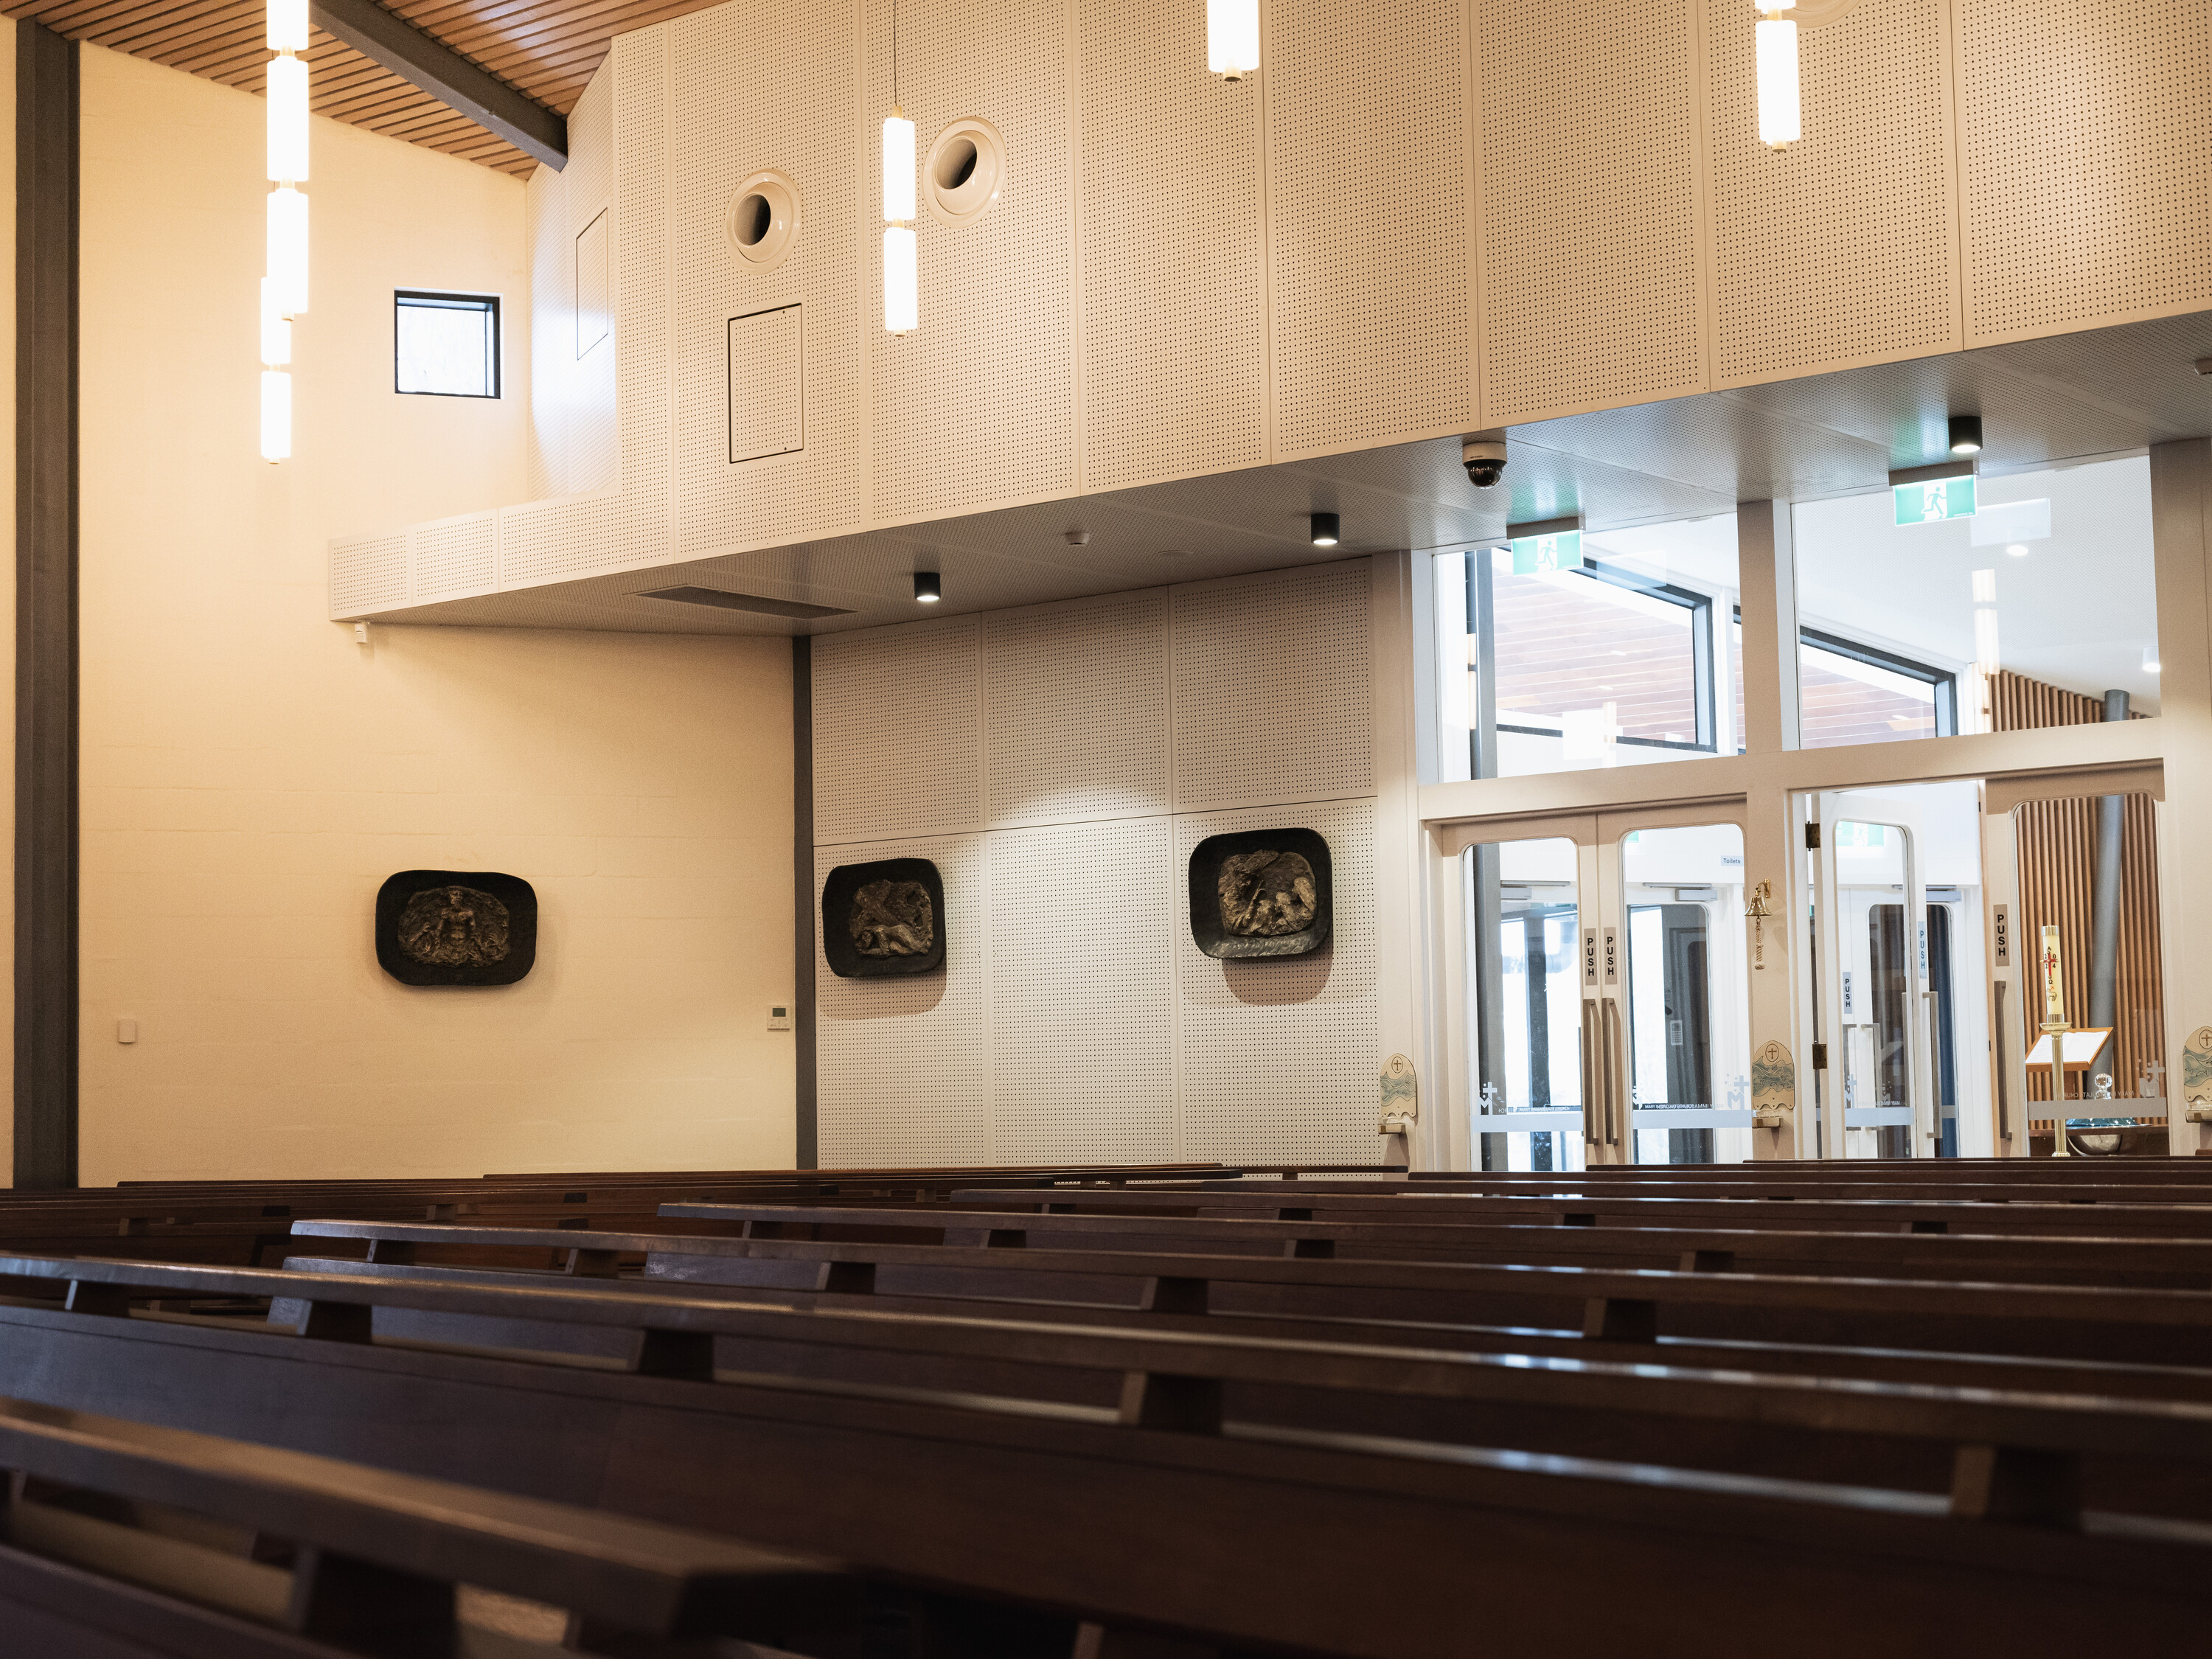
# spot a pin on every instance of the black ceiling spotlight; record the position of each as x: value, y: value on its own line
x: 1966, y: 434
x: 928, y: 587
x: 1324, y: 530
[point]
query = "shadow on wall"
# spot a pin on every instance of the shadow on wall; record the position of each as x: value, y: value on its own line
x: 1262, y: 983
x: 882, y: 998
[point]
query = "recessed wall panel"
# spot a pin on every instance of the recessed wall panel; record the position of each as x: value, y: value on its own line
x: 1588, y: 191
x: 1075, y: 700
x: 2086, y: 134
x: 903, y: 1065
x: 1274, y: 688
x: 754, y: 85
x: 898, y: 732
x: 1370, y: 159
x: 1082, y: 993
x: 977, y: 405
x: 1841, y: 250
x: 1279, y: 1058
x: 1173, y: 262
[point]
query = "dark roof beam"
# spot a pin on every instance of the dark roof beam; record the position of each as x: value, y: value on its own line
x: 452, y: 79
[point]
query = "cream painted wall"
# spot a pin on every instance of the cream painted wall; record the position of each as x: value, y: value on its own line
x: 251, y: 775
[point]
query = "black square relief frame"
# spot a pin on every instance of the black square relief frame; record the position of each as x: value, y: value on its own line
x: 1206, y: 861
x: 519, y: 898
x: 837, y: 946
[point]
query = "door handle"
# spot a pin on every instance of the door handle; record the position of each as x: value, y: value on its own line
x: 1614, y: 1068
x: 1590, y: 1104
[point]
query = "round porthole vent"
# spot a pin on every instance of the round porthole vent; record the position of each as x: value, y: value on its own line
x: 762, y: 222
x: 965, y: 171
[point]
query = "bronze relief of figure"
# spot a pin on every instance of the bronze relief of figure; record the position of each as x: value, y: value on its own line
x: 454, y: 927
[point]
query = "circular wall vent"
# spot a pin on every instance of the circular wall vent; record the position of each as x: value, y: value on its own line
x: 762, y: 222
x: 965, y: 171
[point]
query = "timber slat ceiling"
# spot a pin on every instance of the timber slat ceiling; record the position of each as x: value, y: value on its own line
x: 546, y: 49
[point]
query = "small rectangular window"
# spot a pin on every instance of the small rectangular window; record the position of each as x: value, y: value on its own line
x: 445, y: 346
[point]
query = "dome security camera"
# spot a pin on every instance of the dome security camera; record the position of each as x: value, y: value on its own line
x: 1485, y: 460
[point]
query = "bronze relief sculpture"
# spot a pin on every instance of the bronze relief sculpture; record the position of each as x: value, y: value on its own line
x: 1260, y: 893
x: 456, y: 927
x: 883, y: 919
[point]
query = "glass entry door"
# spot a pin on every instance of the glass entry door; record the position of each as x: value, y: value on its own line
x: 1606, y: 1017
x: 1876, y: 943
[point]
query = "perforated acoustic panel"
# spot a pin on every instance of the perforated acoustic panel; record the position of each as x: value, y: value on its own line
x: 1279, y: 1060
x: 1841, y: 250
x: 2087, y: 135
x: 1370, y: 167
x: 367, y: 572
x: 898, y: 732
x: 1075, y: 708
x: 1082, y: 1004
x: 977, y: 405
x: 455, y: 558
x: 1274, y: 688
x: 547, y: 541
x: 640, y: 531
x: 1173, y: 351
x: 594, y: 454
x: 1591, y: 282
x: 904, y: 1064
x: 728, y: 123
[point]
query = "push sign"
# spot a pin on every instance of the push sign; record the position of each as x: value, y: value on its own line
x: 1930, y: 501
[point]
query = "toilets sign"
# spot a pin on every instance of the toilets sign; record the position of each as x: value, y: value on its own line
x: 1932, y: 501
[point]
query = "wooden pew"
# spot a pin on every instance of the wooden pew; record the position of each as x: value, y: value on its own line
x: 123, y: 1538
x: 2022, y: 1217
x: 1251, y: 1535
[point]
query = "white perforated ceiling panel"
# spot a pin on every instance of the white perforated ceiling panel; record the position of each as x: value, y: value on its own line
x: 2086, y: 129
x: 1370, y: 167
x: 1842, y: 249
x: 1075, y: 700
x: 904, y: 1064
x: 898, y: 732
x: 367, y: 572
x: 1082, y: 1003
x: 1273, y: 689
x: 1279, y: 1059
x: 1592, y: 282
x: 977, y: 405
x: 1174, y: 348
x: 760, y: 85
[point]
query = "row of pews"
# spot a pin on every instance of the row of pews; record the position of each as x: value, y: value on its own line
x: 1150, y: 1413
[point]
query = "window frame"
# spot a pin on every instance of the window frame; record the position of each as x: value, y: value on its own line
x: 1943, y: 681
x: 442, y: 298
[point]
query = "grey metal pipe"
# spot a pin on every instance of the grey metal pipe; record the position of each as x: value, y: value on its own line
x: 2105, y: 900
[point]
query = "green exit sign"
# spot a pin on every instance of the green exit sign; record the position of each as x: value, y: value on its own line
x: 1934, y: 499
x: 1533, y: 553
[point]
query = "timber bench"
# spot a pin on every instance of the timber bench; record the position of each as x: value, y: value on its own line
x: 1183, y: 1503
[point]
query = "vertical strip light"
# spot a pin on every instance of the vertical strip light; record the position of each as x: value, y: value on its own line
x: 284, y: 289
x: 902, y: 258
x: 1775, y: 42
x: 1232, y: 37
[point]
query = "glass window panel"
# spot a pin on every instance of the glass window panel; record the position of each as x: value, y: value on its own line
x: 1611, y: 662
x: 1525, y: 1021
x: 2024, y: 613
x: 446, y: 344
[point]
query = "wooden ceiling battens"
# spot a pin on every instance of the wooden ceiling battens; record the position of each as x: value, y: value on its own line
x: 545, y: 50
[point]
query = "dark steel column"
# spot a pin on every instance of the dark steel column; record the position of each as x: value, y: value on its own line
x: 2105, y: 900
x: 45, y: 607
x: 802, y: 876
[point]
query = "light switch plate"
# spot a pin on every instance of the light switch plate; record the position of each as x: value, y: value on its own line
x: 779, y: 1016
x: 126, y: 1031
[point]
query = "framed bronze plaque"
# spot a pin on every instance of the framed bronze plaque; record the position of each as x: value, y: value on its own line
x: 883, y: 920
x: 1260, y: 893
x: 456, y: 927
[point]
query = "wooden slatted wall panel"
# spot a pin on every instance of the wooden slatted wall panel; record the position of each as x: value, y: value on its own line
x: 548, y: 52
x: 2057, y: 873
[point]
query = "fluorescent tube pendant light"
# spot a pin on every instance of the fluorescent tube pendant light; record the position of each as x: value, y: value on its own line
x: 1776, y: 44
x: 275, y: 414
x: 901, y: 280
x: 1232, y: 37
x: 288, y: 251
x: 898, y: 167
x: 276, y: 333
x: 288, y: 120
